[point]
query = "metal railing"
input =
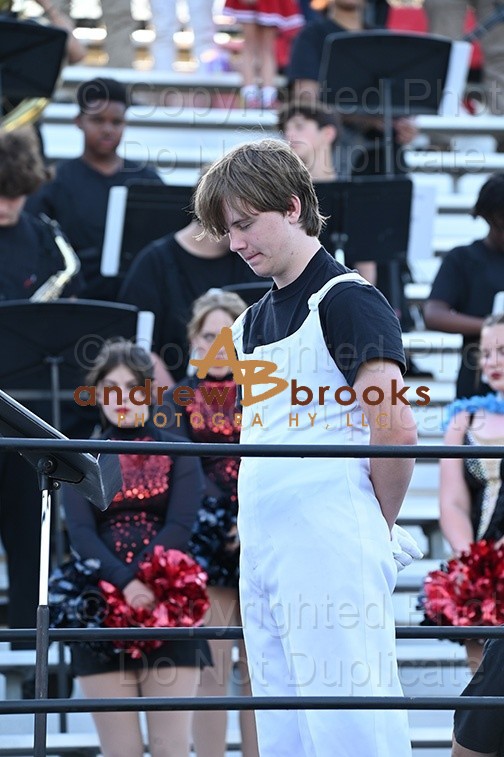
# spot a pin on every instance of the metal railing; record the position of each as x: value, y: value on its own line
x: 41, y: 706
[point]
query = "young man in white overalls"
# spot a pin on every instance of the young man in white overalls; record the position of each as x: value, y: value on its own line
x: 317, y: 565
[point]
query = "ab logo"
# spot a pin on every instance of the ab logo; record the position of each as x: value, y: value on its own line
x: 248, y: 373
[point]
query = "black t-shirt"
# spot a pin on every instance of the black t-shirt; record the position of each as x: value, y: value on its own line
x: 307, y: 49
x: 28, y: 257
x: 483, y: 730
x: 166, y: 279
x: 77, y: 198
x: 357, y: 321
x: 323, y: 190
x: 467, y: 281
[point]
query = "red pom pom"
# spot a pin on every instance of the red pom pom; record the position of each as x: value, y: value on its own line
x: 468, y: 590
x: 179, y: 585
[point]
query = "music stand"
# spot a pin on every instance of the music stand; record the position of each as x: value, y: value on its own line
x: 98, y: 479
x: 369, y: 219
x: 30, y: 59
x: 385, y: 74
x: 251, y: 292
x: 47, y: 347
x: 137, y: 214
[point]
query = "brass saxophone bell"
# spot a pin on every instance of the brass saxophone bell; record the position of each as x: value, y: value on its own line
x: 24, y: 114
x: 20, y: 69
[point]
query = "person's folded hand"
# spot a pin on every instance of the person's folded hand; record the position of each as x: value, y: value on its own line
x: 404, y: 548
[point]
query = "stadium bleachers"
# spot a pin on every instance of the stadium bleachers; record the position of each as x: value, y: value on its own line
x: 181, y: 133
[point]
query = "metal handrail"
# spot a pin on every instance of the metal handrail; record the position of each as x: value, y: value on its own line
x: 42, y: 706
x: 193, y: 449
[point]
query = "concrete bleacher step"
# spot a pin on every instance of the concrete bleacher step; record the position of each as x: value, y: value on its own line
x: 73, y: 744
x: 160, y: 81
x: 454, y: 163
x: 151, y: 82
x: 405, y: 608
x: 418, y: 509
x: 441, y: 392
x: 455, y: 202
x: 411, y: 578
x: 425, y: 478
x: 427, y: 737
x: 431, y: 342
x: 450, y: 226
x: 159, y: 122
x: 430, y: 652
x: 69, y: 744
x: 429, y: 421
x: 438, y: 354
x: 87, y: 744
x: 81, y: 738
x: 15, y: 664
x: 421, y: 508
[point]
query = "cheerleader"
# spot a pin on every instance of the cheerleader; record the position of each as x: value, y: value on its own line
x: 261, y: 20
x: 155, y: 508
x: 472, y: 504
x: 214, y: 541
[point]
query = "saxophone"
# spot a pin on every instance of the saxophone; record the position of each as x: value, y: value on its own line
x: 52, y: 288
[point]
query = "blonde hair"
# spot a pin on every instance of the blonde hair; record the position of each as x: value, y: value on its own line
x: 496, y: 319
x: 214, y: 299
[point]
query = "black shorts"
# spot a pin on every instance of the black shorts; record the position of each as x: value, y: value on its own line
x: 194, y: 653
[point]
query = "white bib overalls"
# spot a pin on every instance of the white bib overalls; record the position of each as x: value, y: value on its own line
x: 316, y: 571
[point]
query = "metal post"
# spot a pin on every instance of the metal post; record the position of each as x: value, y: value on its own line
x: 45, y: 466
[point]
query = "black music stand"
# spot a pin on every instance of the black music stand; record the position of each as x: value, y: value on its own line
x: 137, y: 214
x: 250, y: 291
x: 47, y: 347
x: 98, y: 480
x: 368, y: 219
x: 30, y: 59
x: 388, y: 75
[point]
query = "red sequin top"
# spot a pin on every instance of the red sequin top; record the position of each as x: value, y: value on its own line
x: 157, y: 504
x: 211, y: 417
x: 137, y: 511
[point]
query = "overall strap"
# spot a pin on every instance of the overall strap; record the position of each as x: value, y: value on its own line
x: 317, y: 297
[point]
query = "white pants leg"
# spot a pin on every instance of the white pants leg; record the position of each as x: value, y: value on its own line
x: 278, y: 731
x: 316, y: 581
x: 116, y: 15
x: 164, y: 19
x: 120, y: 26
x: 202, y: 25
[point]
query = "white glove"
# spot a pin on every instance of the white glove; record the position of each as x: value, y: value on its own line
x: 404, y: 548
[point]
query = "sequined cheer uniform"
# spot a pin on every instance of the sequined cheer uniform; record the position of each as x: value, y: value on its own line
x: 211, y: 416
x: 464, y: 590
x: 156, y: 505
x: 316, y: 567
